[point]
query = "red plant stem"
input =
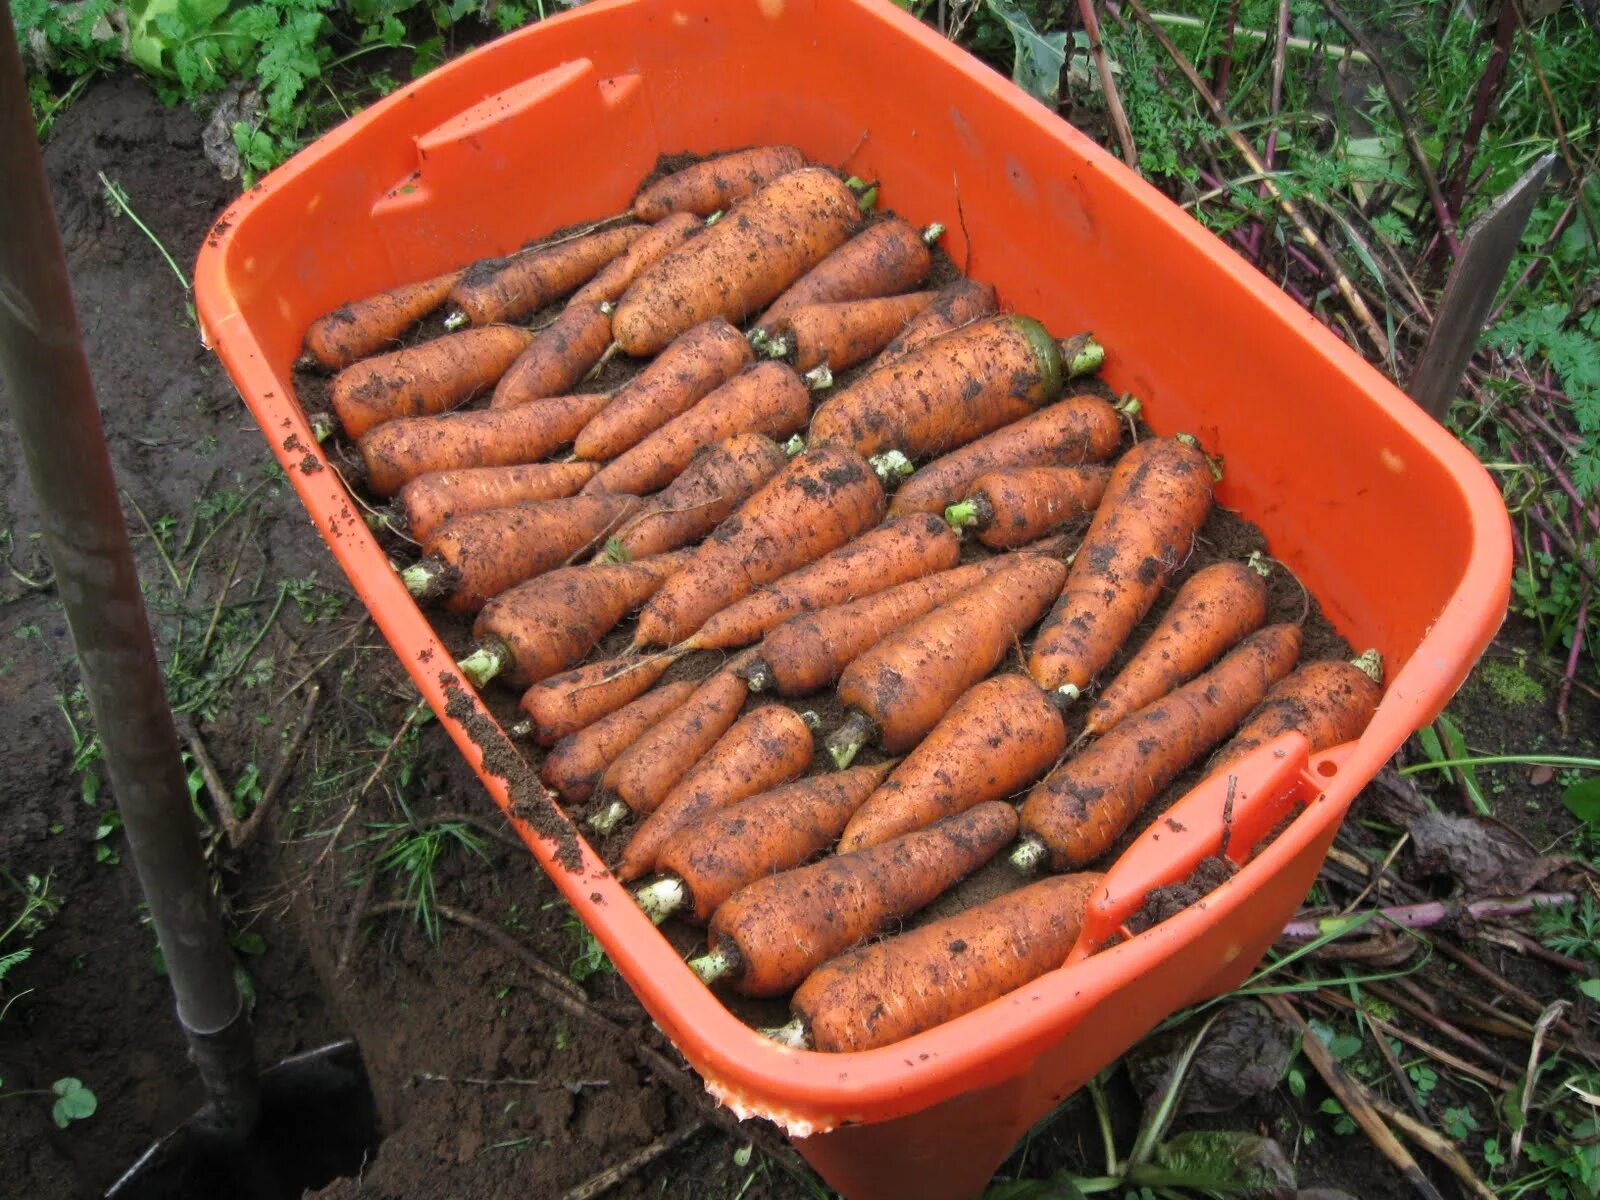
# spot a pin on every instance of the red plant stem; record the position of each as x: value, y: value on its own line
x: 1275, y: 107
x: 1488, y: 88
x: 1436, y: 912
x: 1572, y: 661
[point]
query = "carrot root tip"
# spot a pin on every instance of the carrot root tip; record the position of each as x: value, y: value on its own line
x: 891, y: 466
x: 426, y: 579
x: 484, y: 663
x: 818, y: 378
x: 713, y: 965
x: 845, y: 742
x: 662, y: 898
x: 1081, y: 356
x: 1370, y: 664
x: 1030, y: 852
x: 609, y: 818
x: 455, y: 320
x: 600, y: 363
x: 794, y: 445
x: 933, y: 233
x: 758, y: 676
x: 793, y: 1034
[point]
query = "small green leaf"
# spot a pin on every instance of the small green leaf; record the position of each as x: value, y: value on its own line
x: 741, y: 1156
x: 1344, y: 1045
x: 248, y: 941
x: 74, y: 1102
x: 1590, y: 988
x: 1583, y: 800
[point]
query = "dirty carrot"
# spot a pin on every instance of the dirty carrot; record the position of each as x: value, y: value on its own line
x: 957, y: 304
x: 1160, y: 492
x: 771, y: 934
x: 954, y: 389
x: 705, y: 863
x: 692, y: 366
x: 715, y: 183
x: 893, y: 553
x: 741, y: 263
x: 761, y: 751
x: 1329, y: 701
x: 886, y: 992
x: 432, y: 499
x: 1080, y: 810
x: 480, y: 555
x: 883, y: 259
x: 431, y: 377
x: 840, y: 335
x: 768, y: 399
x: 504, y: 289
x: 574, y: 700
x: 1079, y: 429
x: 577, y: 761
x: 997, y: 739
x: 820, y: 501
x: 1214, y: 608
x: 1020, y: 505
x: 558, y: 358
x: 655, y: 243
x: 364, y: 327
x: 900, y: 688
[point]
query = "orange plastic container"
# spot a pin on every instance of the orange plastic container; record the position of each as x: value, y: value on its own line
x: 1392, y: 524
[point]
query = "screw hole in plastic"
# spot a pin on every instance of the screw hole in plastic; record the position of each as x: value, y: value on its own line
x: 1327, y: 768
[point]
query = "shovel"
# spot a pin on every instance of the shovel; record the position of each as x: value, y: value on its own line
x: 312, y: 1117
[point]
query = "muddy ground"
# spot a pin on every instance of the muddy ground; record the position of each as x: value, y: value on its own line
x: 484, y: 1087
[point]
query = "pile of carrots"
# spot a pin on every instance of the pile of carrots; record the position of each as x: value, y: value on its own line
x: 910, y: 542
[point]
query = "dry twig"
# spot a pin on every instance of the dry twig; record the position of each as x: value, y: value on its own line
x: 1108, y: 84
x: 614, y: 1175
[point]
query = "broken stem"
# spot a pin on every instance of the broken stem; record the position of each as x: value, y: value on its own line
x: 661, y: 898
x: 845, y: 742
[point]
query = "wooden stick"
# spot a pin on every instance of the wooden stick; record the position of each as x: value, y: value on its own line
x: 221, y: 797
x: 1546, y: 1019
x: 1441, y: 1148
x: 613, y: 1175
x: 280, y: 773
x: 1108, y: 85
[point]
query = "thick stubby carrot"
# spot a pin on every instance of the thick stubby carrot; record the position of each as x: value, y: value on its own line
x: 902, y: 686
x: 1329, y: 701
x: 720, y: 479
x: 508, y: 288
x: 364, y: 327
x: 557, y: 359
x: 419, y: 381
x: 886, y: 992
x: 574, y: 766
x: 1214, y: 608
x: 712, y: 859
x: 761, y: 751
x: 715, y: 183
x: 741, y: 263
x: 1159, y: 494
x: 402, y: 450
x: 432, y: 499
x: 656, y: 243
x: 694, y: 365
x: 888, y: 257
x: 542, y: 627
x: 1077, y: 430
x: 1017, y: 506
x: 892, y: 553
x: 957, y: 304
x: 952, y: 390
x: 482, y: 554
x: 997, y: 739
x: 767, y: 399
x: 1080, y: 810
x: 841, y: 335
x: 574, y: 700
x: 820, y: 501
x: 773, y: 933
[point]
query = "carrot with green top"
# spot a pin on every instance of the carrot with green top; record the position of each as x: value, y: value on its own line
x: 1329, y: 701
x: 576, y: 762
x: 425, y: 379
x: 715, y: 183
x: 364, y: 327
x: 574, y: 700
x: 1012, y: 508
x: 887, y: 257
x: 432, y: 499
x: 504, y: 289
x: 957, y: 304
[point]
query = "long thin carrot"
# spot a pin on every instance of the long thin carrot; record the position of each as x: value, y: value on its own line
x: 997, y: 739
x: 558, y: 357
x: 1080, y: 810
x: 364, y: 327
x: 887, y: 257
x: 760, y: 751
x: 901, y: 687
x: 431, y: 377
x: 892, y: 553
x: 768, y: 399
x: 739, y: 264
x: 575, y: 764
x: 404, y: 449
x: 1214, y: 608
x: 840, y: 335
x: 774, y: 932
x: 705, y: 863
x: 1329, y: 701
x: 958, y: 304
x: 886, y: 992
x: 574, y: 700
x: 715, y: 183
x: 432, y: 499
x: 656, y: 243
x: 508, y: 288
x: 1020, y: 505
x: 1160, y: 492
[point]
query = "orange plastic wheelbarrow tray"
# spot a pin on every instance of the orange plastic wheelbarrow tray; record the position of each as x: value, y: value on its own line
x: 1393, y: 525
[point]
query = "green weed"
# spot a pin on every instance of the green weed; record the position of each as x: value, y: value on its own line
x: 1511, y: 683
x: 411, y: 851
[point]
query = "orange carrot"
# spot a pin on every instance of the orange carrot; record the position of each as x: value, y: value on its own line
x: 575, y: 765
x: 773, y: 933
x: 1080, y: 429
x: 655, y: 243
x: 574, y: 700
x: 503, y: 289
x: 1214, y: 609
x: 759, y: 752
x: 709, y: 861
x: 1012, y: 508
x: 958, y: 304
x: 693, y: 365
x: 901, y: 687
x: 768, y: 399
x: 1080, y: 810
x: 558, y: 357
x: 364, y: 327
x: 998, y: 738
x: 887, y: 257
x: 715, y: 183
x: 482, y: 554
x: 431, y: 377
x: 821, y: 500
x: 1160, y: 492
x: 402, y: 450
x: 1331, y: 702
x: 739, y: 264
x: 840, y: 335
x: 432, y: 499
x: 886, y: 992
